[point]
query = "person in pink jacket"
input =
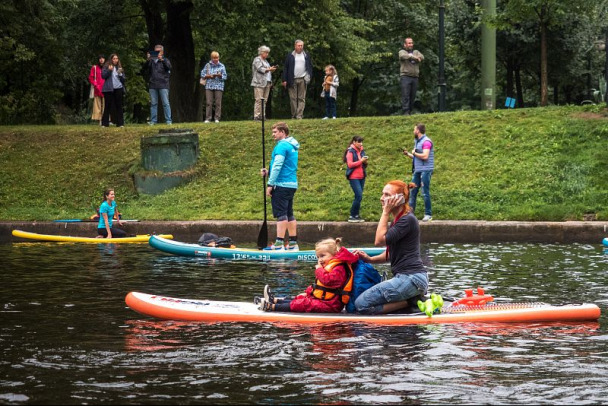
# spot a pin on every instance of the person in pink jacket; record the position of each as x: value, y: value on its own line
x: 333, y: 284
x: 97, y: 82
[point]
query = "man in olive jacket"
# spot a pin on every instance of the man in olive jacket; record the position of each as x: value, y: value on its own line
x: 409, y: 71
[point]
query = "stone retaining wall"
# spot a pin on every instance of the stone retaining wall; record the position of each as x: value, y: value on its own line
x: 589, y: 232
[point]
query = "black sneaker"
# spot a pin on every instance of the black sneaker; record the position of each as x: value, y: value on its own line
x: 256, y: 300
x: 355, y: 219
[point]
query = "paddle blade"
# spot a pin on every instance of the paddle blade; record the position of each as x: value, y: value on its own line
x: 263, y: 236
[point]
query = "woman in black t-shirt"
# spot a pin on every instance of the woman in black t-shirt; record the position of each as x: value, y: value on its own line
x: 402, y: 241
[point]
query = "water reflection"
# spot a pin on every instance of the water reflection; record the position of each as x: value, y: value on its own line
x: 68, y: 337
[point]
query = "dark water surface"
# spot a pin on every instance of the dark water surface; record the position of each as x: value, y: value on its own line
x: 68, y: 338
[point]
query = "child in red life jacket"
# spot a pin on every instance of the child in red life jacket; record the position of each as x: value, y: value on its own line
x: 332, y: 287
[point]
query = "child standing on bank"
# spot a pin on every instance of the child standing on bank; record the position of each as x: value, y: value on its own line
x: 330, y: 91
x: 333, y: 284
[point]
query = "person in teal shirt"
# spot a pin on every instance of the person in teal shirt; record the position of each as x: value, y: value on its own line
x: 106, y: 216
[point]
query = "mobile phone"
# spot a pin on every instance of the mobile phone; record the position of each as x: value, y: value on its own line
x: 154, y: 54
x: 400, y: 199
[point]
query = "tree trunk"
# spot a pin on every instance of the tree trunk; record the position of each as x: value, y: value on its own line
x: 510, y: 73
x: 154, y: 21
x: 354, y: 96
x: 518, y: 88
x: 180, y: 49
x: 543, y: 59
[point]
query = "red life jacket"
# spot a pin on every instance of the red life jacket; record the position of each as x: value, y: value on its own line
x: 323, y: 292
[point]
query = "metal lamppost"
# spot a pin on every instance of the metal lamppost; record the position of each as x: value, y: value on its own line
x: 441, y: 76
x: 488, y: 57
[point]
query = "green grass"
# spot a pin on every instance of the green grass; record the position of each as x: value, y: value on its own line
x: 524, y: 164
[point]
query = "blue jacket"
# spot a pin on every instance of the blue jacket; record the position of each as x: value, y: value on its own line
x: 290, y: 63
x: 284, y: 164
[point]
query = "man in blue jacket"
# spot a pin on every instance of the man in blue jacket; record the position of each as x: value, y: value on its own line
x: 297, y: 73
x: 159, y: 69
x: 282, y: 185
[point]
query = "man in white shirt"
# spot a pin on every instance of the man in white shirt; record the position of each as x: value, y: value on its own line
x: 297, y: 73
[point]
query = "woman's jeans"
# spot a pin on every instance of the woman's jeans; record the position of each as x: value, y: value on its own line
x: 401, y: 287
x: 357, y: 185
x: 423, y: 177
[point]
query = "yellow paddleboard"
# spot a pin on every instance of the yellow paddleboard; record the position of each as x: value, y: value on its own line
x: 65, y: 238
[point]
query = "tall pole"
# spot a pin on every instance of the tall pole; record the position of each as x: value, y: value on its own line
x: 606, y: 67
x: 441, y: 78
x: 488, y: 57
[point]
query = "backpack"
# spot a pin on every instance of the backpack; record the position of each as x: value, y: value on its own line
x: 365, y: 276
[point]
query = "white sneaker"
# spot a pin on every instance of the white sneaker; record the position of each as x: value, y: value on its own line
x: 206, y: 121
x: 324, y: 118
x: 334, y: 118
x: 427, y: 218
x: 217, y: 121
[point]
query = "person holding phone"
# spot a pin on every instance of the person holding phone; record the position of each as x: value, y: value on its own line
x: 423, y: 164
x: 214, y: 73
x: 159, y: 73
x: 113, y: 92
x: 402, y: 240
x: 356, y: 164
x: 261, y: 81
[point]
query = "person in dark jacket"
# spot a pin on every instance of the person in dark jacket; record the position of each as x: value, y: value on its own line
x: 113, y: 92
x: 159, y: 72
x: 356, y: 163
x: 297, y: 73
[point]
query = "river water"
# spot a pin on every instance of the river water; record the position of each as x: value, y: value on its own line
x: 67, y: 336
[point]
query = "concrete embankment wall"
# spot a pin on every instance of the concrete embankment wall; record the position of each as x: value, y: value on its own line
x: 589, y: 232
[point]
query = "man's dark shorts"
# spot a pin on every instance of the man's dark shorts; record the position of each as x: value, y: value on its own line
x: 282, y: 202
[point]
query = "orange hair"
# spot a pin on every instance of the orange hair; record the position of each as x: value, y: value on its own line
x: 402, y: 187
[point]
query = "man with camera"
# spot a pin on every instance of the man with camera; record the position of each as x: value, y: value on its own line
x: 423, y: 156
x: 159, y: 72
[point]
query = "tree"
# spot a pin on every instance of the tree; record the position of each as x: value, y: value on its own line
x: 546, y: 15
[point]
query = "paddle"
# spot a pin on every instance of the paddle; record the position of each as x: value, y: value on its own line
x: 263, y: 236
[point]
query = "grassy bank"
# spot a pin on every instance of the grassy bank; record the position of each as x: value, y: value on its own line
x: 524, y: 164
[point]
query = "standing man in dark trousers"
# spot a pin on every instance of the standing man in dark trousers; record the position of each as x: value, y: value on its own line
x: 409, y: 71
x: 159, y: 69
x: 297, y: 73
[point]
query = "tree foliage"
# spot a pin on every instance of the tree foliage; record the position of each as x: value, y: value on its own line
x: 548, y: 52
